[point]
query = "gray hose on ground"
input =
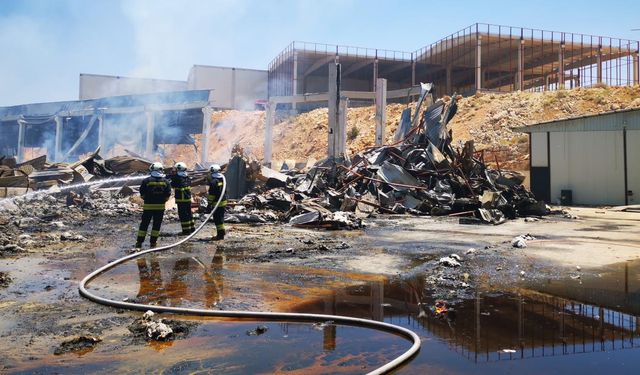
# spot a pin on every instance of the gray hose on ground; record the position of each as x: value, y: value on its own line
x: 382, y: 326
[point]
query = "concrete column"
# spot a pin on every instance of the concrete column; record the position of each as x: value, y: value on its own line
x: 571, y: 79
x: 375, y: 73
x: 150, y: 133
x: 21, y: 135
x: 333, y: 109
x: 381, y: 110
x: 295, y: 78
x: 520, y: 72
x: 561, y: 77
x: 546, y: 83
x: 599, y: 65
x: 636, y: 68
x: 413, y: 73
x: 206, y: 128
x: 57, y: 148
x: 449, y: 85
x: 268, y: 133
x: 479, y: 63
x: 101, y: 140
x: 341, y: 131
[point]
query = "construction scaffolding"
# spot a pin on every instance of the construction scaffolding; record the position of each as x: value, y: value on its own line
x: 479, y: 57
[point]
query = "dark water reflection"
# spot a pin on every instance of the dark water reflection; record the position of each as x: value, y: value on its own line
x: 590, y: 324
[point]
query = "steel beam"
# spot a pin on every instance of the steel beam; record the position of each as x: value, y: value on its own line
x: 561, y: 77
x: 636, y: 68
x: 479, y: 62
x: 599, y: 65
x: 381, y: 110
x: 520, y: 70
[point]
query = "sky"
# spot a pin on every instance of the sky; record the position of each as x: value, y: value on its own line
x: 46, y: 44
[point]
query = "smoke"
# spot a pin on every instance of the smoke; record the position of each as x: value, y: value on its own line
x: 170, y: 36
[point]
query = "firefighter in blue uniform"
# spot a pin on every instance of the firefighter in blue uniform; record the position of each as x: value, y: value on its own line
x: 215, y: 182
x: 155, y: 190
x: 181, y: 183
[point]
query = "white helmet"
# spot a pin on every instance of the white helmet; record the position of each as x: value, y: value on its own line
x: 156, y: 167
x: 180, y: 166
x: 214, y: 168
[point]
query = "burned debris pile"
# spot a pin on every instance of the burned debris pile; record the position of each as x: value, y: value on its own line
x: 422, y: 174
x: 38, y: 174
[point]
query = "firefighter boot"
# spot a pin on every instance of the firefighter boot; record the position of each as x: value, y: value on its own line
x: 220, y: 235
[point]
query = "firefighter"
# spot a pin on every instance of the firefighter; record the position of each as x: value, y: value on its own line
x: 181, y: 183
x: 155, y: 191
x: 215, y: 189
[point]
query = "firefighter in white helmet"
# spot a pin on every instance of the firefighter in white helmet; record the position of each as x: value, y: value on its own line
x: 215, y: 182
x: 155, y: 191
x: 181, y: 183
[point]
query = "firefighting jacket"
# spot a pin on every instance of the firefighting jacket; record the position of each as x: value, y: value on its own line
x: 182, y: 188
x: 215, y: 188
x: 155, y: 191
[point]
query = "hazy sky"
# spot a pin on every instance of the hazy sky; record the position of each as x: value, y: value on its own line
x: 46, y: 44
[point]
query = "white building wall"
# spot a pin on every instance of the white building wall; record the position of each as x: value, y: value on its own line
x: 589, y: 163
x: 93, y: 86
x: 232, y: 87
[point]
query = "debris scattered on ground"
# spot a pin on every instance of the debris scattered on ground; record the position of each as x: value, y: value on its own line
x: 259, y: 330
x: 5, y: 280
x: 77, y: 344
x: 520, y: 242
x: 449, y: 261
x: 150, y: 328
x: 69, y: 236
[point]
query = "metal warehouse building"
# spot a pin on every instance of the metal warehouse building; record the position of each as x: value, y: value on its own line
x: 591, y: 160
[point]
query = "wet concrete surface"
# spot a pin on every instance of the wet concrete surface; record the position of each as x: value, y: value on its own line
x: 518, y: 312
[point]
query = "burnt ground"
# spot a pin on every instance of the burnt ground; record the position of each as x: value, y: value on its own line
x: 270, y: 266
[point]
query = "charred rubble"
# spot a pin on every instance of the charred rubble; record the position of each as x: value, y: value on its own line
x: 423, y: 174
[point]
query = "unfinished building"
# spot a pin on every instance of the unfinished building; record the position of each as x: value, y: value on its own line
x: 479, y: 57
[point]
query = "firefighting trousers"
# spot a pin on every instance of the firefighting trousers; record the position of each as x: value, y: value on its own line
x: 147, y: 216
x: 186, y: 217
x: 218, y: 220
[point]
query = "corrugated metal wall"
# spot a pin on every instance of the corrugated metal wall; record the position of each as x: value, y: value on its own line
x: 590, y: 164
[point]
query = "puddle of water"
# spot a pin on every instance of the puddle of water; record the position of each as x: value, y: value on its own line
x: 536, y: 328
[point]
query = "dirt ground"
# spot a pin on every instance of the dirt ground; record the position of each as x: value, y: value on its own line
x: 280, y: 268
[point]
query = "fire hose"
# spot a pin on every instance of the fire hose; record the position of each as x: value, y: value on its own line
x: 262, y: 315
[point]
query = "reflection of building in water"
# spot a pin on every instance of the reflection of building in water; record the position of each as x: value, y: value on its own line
x: 189, y: 281
x: 539, y: 321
